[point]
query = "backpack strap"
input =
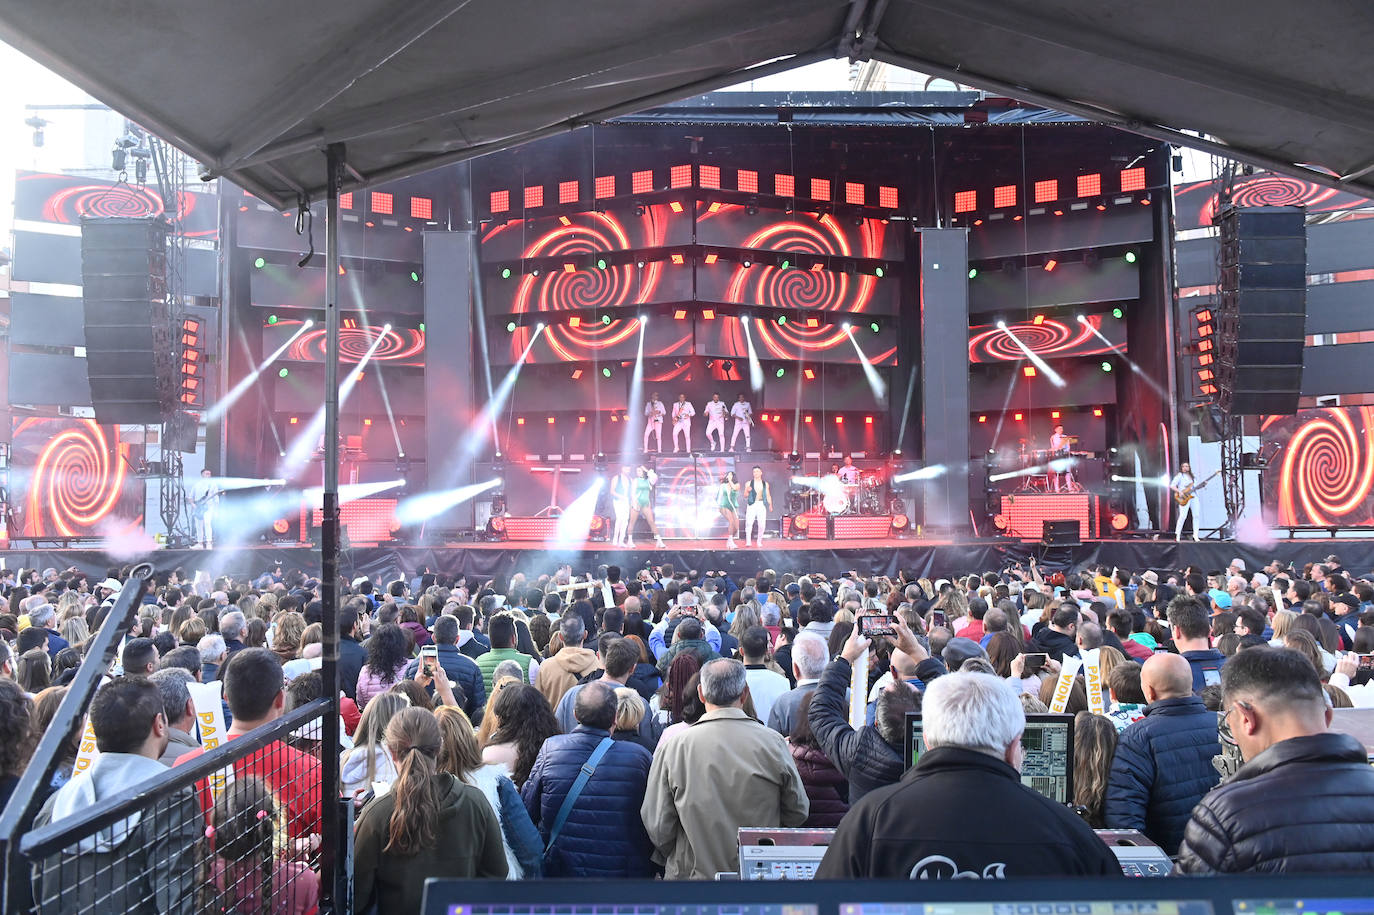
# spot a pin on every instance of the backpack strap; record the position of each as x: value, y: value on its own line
x: 575, y: 791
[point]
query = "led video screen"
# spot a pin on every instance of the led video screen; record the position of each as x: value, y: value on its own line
x: 398, y: 346
x: 73, y: 478
x: 1322, y: 471
x: 1048, y: 338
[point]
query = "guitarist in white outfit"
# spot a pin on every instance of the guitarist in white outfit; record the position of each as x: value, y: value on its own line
x: 1182, y: 488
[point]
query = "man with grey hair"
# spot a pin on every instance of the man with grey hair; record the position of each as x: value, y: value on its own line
x: 232, y: 626
x: 180, y: 712
x: 44, y: 616
x: 213, y: 654
x: 561, y: 672
x: 963, y: 812
x: 810, y: 654
x: 684, y: 608
x: 725, y: 772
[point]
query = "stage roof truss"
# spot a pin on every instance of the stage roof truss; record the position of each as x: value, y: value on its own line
x: 256, y: 91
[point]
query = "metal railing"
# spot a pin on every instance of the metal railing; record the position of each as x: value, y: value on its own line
x: 242, y: 828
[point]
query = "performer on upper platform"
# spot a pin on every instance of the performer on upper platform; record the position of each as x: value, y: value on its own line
x: 849, y: 474
x: 1181, y: 486
x: 760, y: 500
x: 621, y: 484
x: 715, y: 422
x: 1059, y: 448
x: 682, y: 422
x: 728, y: 499
x: 642, y: 504
x: 654, y: 411
x: 744, y: 421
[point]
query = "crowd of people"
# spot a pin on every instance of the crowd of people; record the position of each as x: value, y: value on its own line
x: 608, y: 725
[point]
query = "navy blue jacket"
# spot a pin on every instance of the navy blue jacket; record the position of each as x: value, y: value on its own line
x: 352, y: 657
x: 462, y: 670
x: 603, y: 836
x: 1206, y: 664
x: 1162, y: 768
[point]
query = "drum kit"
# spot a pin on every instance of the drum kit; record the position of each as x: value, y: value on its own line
x: 862, y: 498
x: 1047, y: 471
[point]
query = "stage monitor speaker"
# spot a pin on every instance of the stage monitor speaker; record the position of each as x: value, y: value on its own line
x: 129, y: 346
x: 1061, y: 533
x: 1263, y: 314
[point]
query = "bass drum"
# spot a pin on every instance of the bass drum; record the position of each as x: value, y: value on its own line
x: 836, y: 503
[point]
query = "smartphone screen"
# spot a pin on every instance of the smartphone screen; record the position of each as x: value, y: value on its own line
x: 877, y: 625
x: 428, y: 655
x: 1367, y: 662
x: 938, y: 618
x: 1033, y: 663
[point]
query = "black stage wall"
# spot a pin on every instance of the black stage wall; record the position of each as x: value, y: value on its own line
x: 928, y: 560
x: 944, y: 376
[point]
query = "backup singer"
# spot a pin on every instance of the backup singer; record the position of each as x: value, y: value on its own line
x: 760, y: 501
x: 744, y: 420
x: 715, y: 422
x: 728, y: 501
x: 1182, y: 484
x: 654, y: 411
x: 621, y: 484
x: 682, y: 422
x: 641, y: 504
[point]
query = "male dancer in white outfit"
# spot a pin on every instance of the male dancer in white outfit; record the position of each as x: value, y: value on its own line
x: 715, y: 422
x: 682, y: 422
x: 1181, y: 483
x: 758, y: 496
x: 654, y: 411
x: 620, y: 503
x: 744, y: 419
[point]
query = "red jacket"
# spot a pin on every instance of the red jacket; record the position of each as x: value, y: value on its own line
x: 1136, y: 650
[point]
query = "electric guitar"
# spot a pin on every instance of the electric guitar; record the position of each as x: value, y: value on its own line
x: 1184, y: 496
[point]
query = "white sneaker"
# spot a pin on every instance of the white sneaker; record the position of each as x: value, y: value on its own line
x: 658, y: 542
x: 730, y: 544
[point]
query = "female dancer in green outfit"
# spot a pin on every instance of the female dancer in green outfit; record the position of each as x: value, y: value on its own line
x: 641, y: 502
x: 728, y: 501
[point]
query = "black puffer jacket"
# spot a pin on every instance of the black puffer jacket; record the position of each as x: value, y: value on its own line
x: 1305, y: 805
x: 1162, y: 768
x: 862, y: 756
x: 825, y: 786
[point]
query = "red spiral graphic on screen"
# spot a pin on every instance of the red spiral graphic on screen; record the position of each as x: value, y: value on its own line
x: 805, y: 289
x: 397, y: 345
x: 1048, y: 338
x: 558, y: 289
x: 1327, y: 472
x: 70, y: 204
x: 77, y: 480
x: 1270, y: 191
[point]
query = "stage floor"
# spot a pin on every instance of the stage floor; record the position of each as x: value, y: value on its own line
x: 888, y: 556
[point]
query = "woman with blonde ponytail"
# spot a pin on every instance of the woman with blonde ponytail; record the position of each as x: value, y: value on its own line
x: 429, y: 824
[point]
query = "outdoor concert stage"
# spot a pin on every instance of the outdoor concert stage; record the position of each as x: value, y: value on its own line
x: 888, y: 556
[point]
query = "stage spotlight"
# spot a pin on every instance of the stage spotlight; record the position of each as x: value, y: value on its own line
x: 599, y: 462
x: 505, y: 273
x: 283, y: 372
x: 260, y: 262
x: 784, y: 263
x: 845, y: 327
x: 272, y: 319
x: 535, y: 271
x: 496, y: 527
x: 746, y: 263
x: 601, y: 263
x: 1106, y: 366
x: 973, y: 273
x: 878, y: 272
x: 874, y: 326
x: 1050, y: 265
x: 1118, y: 312
x: 1000, y: 522
x: 414, y: 276
x: 1130, y: 257
x: 782, y: 320
x: 800, y: 524
x: 605, y: 319
x: 510, y: 327
x: 901, y: 525
x: 606, y: 372
x: 1120, y: 521
x: 780, y: 372
x: 794, y: 461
